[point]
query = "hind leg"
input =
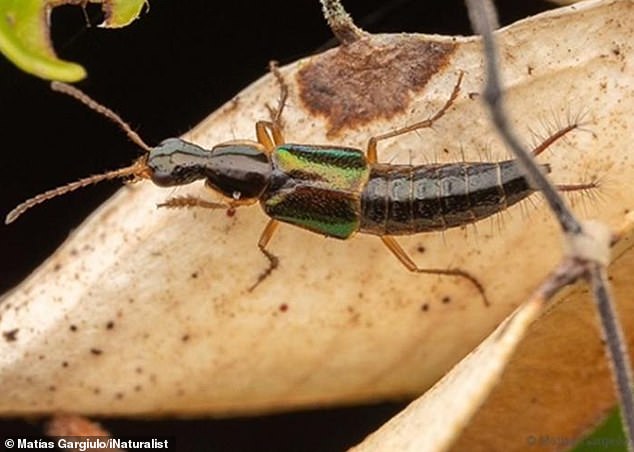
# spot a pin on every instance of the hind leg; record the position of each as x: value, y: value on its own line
x: 407, y: 261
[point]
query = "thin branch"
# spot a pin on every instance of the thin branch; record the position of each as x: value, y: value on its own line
x: 615, y: 346
x: 587, y: 245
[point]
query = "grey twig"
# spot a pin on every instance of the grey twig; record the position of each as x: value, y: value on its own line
x: 587, y: 244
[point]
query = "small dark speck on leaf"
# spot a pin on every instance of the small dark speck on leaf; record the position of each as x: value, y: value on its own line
x: 110, y: 325
x: 425, y: 307
x: 64, y: 363
x: 11, y: 335
x: 73, y: 328
x: 96, y: 351
x: 420, y: 249
x: 185, y: 337
x: 446, y: 300
x: 194, y: 275
x: 283, y: 307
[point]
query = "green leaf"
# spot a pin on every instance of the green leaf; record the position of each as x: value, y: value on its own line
x: 120, y: 13
x: 608, y: 437
x: 25, y: 37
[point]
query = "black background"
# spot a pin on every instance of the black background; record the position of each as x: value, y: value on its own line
x: 164, y: 74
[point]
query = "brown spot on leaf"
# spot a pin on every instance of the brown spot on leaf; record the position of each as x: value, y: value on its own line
x: 371, y: 78
x: 96, y: 351
x: 11, y: 335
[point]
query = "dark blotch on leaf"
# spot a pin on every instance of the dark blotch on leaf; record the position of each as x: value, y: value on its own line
x: 371, y: 78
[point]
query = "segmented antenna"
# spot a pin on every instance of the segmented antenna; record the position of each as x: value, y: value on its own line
x: 137, y: 170
x: 101, y: 109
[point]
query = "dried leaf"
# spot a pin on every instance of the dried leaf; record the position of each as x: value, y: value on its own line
x: 433, y: 421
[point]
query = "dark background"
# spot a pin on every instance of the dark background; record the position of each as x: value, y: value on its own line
x: 164, y: 74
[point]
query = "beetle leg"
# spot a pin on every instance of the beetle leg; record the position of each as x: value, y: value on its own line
x: 577, y: 187
x: 269, y: 133
x: 372, y: 143
x: 276, y: 115
x: 265, y: 237
x: 407, y: 261
x: 192, y: 201
x: 554, y: 137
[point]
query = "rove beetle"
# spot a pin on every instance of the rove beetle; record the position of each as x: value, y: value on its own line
x: 328, y: 189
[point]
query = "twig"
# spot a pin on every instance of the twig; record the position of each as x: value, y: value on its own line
x: 587, y: 244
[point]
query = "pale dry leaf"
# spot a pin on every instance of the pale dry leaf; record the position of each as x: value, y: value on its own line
x: 433, y: 421
x: 555, y: 387
x: 146, y: 311
x: 558, y: 386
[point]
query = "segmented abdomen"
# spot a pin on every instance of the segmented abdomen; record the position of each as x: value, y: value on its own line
x: 407, y: 199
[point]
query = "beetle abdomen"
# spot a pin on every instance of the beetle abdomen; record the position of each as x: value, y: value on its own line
x: 407, y: 199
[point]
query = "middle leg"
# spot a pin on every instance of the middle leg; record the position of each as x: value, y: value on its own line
x: 371, y: 149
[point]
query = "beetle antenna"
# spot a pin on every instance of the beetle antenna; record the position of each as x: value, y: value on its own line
x: 102, y: 109
x: 138, y: 170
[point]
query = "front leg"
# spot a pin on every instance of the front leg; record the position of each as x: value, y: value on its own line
x: 193, y: 201
x: 274, y: 261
